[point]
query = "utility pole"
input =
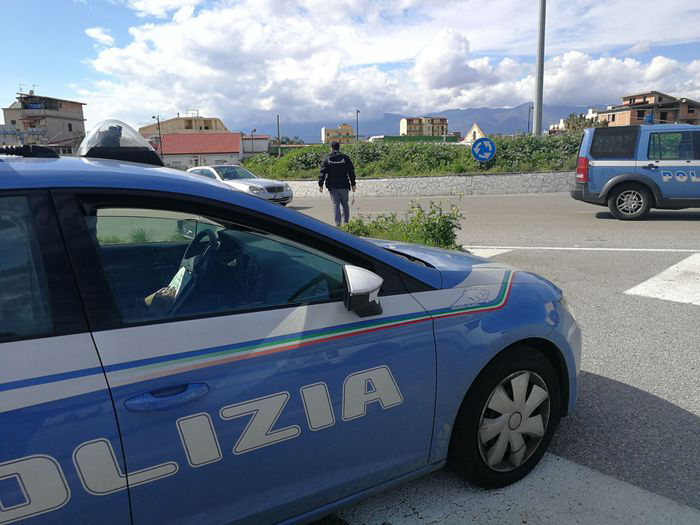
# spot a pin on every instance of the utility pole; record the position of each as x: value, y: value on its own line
x: 279, y: 140
x: 537, y: 124
x: 357, y: 125
x: 252, y: 143
x: 160, y: 136
x: 529, y: 111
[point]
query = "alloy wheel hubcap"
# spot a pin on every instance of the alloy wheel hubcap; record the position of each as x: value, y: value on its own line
x: 513, y: 421
x: 630, y: 202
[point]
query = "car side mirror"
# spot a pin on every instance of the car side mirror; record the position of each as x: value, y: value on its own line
x: 187, y: 228
x: 361, y: 291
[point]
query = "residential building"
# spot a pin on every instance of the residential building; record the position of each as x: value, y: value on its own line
x: 474, y: 133
x: 423, y: 126
x: 186, y: 150
x: 344, y: 134
x: 49, y: 121
x: 452, y: 138
x: 192, y: 123
x: 663, y: 108
x: 252, y: 144
x: 9, y: 135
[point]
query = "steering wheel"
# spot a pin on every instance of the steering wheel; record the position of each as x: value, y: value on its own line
x: 195, y: 265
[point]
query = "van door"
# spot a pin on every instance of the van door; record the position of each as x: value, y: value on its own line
x: 669, y: 162
x: 612, y: 153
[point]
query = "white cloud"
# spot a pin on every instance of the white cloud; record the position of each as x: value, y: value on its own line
x: 101, y: 35
x: 245, y: 60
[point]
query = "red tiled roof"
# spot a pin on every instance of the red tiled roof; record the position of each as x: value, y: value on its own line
x: 201, y: 143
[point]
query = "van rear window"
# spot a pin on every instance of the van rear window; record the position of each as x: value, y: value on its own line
x: 614, y: 143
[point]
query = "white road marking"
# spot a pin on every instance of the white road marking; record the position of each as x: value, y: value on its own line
x: 558, y: 491
x: 679, y: 283
x: 584, y: 249
x: 487, y: 252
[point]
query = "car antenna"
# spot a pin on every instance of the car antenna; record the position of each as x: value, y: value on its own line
x: 29, y: 150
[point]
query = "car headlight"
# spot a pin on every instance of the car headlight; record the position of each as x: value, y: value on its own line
x: 567, y: 306
x: 256, y: 190
x: 287, y: 187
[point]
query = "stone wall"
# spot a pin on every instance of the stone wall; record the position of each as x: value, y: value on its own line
x: 494, y: 184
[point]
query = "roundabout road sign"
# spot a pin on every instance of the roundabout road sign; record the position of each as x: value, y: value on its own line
x: 483, y: 149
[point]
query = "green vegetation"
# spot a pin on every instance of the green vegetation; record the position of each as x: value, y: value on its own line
x: 521, y: 153
x: 434, y: 227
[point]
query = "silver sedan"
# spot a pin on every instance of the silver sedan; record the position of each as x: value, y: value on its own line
x: 243, y: 180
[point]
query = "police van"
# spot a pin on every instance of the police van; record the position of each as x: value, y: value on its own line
x: 172, y: 351
x: 632, y: 169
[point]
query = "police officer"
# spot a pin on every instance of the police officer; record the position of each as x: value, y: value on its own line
x: 338, y: 173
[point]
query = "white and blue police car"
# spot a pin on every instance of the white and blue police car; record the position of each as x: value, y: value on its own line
x: 632, y: 169
x: 172, y: 351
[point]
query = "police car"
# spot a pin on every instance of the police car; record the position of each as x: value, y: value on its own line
x: 175, y: 352
x: 632, y: 169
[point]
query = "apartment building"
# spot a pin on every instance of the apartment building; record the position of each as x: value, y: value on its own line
x: 423, y: 126
x: 663, y: 108
x: 192, y: 123
x: 344, y: 134
x: 49, y: 121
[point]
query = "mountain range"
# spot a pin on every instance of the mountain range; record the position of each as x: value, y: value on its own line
x: 491, y: 120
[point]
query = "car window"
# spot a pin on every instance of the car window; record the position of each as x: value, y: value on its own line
x: 614, y: 143
x: 204, y: 173
x: 696, y: 145
x: 24, y: 304
x: 234, y: 172
x: 677, y: 145
x: 162, y: 265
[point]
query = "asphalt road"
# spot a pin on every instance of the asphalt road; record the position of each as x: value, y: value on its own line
x: 636, y: 428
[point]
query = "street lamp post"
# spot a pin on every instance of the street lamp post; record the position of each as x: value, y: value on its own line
x: 539, y: 78
x: 252, y: 143
x: 357, y: 125
x: 160, y: 136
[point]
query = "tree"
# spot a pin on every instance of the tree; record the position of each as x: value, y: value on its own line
x: 577, y: 122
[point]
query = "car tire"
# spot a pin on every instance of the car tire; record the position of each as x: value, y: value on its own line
x: 628, y: 202
x: 485, y: 409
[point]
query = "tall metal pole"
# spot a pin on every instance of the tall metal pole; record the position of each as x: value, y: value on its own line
x: 160, y: 135
x: 357, y: 125
x: 537, y: 124
x: 252, y: 144
x: 279, y: 140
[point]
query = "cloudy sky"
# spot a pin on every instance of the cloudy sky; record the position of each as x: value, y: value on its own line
x: 313, y: 60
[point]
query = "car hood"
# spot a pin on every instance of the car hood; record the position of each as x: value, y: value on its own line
x: 254, y: 182
x: 454, y: 265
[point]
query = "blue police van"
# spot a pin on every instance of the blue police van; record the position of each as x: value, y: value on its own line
x: 173, y: 351
x: 632, y: 169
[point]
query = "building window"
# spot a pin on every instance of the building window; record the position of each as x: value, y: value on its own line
x: 691, y: 111
x: 663, y: 117
x: 640, y: 114
x: 14, y: 122
x: 70, y: 127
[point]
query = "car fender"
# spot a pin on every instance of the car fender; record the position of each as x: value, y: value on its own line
x: 465, y: 344
x: 632, y: 177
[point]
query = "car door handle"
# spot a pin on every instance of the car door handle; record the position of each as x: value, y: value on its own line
x: 166, y: 397
x: 651, y: 166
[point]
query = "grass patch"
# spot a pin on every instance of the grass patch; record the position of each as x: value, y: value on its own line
x: 434, y: 227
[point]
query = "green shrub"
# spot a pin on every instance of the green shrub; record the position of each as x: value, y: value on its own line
x: 434, y: 227
x: 520, y: 153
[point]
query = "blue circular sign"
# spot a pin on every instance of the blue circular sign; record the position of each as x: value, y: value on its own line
x: 483, y: 149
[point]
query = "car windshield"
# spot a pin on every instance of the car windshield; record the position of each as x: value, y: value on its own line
x: 234, y: 173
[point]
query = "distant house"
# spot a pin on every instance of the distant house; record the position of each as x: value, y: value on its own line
x: 252, y: 144
x: 343, y: 134
x: 474, y: 133
x: 423, y: 126
x: 37, y: 119
x: 186, y: 150
x: 663, y: 109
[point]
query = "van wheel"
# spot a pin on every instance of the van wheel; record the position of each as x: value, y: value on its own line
x: 629, y: 201
x: 507, y: 419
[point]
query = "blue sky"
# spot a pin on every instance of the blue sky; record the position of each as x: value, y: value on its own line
x: 248, y: 59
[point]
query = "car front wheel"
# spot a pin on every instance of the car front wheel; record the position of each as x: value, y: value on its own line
x: 629, y: 201
x: 507, y: 419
